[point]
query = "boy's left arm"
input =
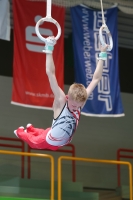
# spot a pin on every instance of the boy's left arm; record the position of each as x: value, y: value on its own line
x: 98, y: 72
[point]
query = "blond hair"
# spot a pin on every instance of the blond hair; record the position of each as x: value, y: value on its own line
x: 77, y: 92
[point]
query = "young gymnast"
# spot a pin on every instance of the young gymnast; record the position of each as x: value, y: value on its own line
x: 66, y: 108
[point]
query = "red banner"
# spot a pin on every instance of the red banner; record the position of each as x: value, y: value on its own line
x: 30, y: 83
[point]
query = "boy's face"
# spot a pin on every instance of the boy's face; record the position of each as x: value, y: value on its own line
x: 73, y: 105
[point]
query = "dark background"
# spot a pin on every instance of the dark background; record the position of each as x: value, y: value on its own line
x: 125, y: 63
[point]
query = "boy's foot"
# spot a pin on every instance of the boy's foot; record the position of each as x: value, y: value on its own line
x: 49, y: 44
x: 29, y: 127
x: 20, y: 129
x: 15, y: 132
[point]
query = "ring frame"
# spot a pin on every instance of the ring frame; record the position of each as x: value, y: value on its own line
x: 105, y: 28
x: 51, y: 20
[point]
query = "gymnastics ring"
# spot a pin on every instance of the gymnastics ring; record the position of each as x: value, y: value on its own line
x: 47, y: 19
x: 105, y: 28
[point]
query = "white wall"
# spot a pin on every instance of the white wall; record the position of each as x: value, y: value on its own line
x: 97, y: 138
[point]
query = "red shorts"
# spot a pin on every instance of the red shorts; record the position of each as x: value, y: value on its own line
x: 35, y: 138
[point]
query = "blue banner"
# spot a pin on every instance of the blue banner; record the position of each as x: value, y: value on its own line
x: 105, y: 100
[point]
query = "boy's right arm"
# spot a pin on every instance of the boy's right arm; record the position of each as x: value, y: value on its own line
x: 59, y: 95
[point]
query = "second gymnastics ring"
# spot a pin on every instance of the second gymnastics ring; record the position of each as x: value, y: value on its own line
x: 105, y: 28
x: 47, y: 19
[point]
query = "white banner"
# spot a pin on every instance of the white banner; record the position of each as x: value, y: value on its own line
x: 4, y: 20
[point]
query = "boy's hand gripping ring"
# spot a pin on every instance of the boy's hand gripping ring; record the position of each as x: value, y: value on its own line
x: 105, y: 28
